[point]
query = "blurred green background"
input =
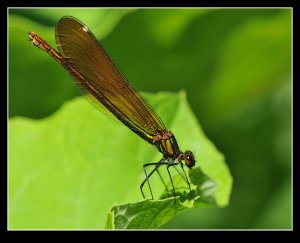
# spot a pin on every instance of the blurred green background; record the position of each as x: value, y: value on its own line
x: 235, y: 65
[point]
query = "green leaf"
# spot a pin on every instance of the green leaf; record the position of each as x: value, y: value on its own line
x: 67, y: 170
x: 149, y: 214
x: 110, y: 220
x: 146, y: 214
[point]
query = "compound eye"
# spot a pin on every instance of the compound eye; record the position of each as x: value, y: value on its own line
x: 189, y: 159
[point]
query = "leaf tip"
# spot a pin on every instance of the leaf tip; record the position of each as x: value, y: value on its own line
x: 182, y: 94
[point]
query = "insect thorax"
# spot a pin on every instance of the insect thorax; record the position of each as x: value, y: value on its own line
x: 166, y: 144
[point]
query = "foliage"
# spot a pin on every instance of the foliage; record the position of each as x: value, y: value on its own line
x: 235, y: 65
x: 66, y: 170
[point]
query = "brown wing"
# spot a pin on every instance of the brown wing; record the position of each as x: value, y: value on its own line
x: 100, y: 78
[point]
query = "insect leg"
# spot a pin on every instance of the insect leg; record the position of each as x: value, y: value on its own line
x: 157, y: 165
x: 184, y: 175
x: 171, y: 179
